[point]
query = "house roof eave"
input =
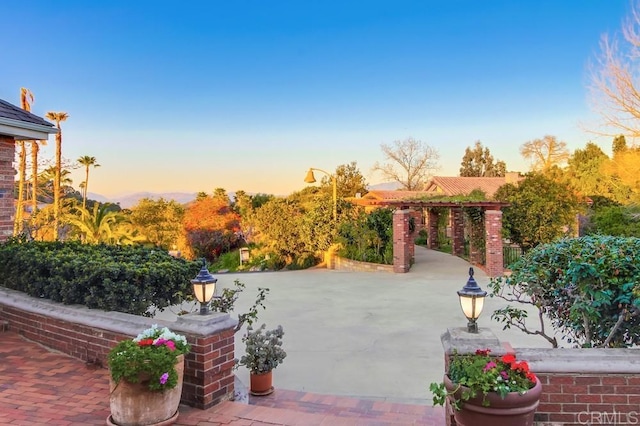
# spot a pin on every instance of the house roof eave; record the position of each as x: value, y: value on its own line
x: 22, y: 130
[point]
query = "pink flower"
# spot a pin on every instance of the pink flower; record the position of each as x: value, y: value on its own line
x: 170, y: 344
x: 504, y: 375
x: 489, y: 366
x: 164, y: 378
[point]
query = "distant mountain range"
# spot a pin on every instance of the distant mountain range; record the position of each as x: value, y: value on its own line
x: 129, y: 200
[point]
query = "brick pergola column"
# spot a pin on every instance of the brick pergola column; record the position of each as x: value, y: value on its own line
x: 457, y: 231
x: 493, y: 229
x: 433, y: 242
x: 7, y: 179
x: 402, y: 240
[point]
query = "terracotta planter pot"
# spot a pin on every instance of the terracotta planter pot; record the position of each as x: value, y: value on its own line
x: 261, y: 384
x: 133, y: 404
x: 513, y: 410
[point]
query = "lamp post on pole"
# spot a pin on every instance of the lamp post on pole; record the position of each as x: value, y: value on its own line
x: 310, y: 178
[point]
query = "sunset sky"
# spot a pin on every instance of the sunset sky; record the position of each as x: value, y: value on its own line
x: 190, y: 96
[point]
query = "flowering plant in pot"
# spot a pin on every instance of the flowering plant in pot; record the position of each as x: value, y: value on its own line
x: 477, y: 381
x: 150, y: 357
x: 146, y: 377
x: 263, y: 353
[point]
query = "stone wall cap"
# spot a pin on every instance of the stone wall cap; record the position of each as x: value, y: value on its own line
x: 116, y: 322
x: 461, y: 341
x: 582, y: 360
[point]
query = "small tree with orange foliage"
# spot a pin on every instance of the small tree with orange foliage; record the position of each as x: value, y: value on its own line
x: 211, y: 227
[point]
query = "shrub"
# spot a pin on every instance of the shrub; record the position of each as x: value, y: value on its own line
x: 130, y: 279
x: 588, y: 287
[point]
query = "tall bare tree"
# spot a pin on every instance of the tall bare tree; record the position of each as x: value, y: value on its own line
x: 86, y: 161
x: 58, y: 117
x: 409, y: 162
x: 615, y: 94
x: 545, y: 153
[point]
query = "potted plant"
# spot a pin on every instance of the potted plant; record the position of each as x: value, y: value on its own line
x: 146, y: 378
x: 489, y: 390
x: 263, y: 353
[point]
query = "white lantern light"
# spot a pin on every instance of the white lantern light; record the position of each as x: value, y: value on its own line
x: 472, y: 302
x: 204, y: 287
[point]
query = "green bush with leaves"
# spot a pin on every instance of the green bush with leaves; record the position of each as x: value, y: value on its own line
x: 588, y: 287
x: 130, y: 279
x: 368, y: 237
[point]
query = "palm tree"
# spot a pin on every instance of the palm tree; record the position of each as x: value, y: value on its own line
x: 86, y: 161
x: 26, y: 99
x: 58, y: 117
x: 103, y: 225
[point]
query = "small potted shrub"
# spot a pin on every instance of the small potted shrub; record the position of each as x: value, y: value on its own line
x: 489, y: 390
x: 263, y: 353
x: 146, y: 378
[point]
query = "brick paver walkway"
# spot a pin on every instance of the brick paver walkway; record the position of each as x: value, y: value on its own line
x: 41, y: 387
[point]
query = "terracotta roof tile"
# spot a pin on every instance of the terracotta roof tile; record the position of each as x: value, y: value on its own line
x: 465, y: 185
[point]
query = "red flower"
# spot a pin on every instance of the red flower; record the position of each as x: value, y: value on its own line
x: 521, y: 366
x: 531, y: 377
x: 483, y: 352
x: 145, y: 342
x: 509, y: 358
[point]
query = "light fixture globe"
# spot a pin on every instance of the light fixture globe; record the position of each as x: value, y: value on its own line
x: 310, y: 178
x: 204, y: 287
x: 472, y: 301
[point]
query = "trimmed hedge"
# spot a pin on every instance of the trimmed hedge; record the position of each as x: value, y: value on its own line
x: 130, y: 279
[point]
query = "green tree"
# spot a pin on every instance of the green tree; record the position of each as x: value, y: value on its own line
x: 160, y: 221
x: 620, y: 221
x: 540, y: 210
x: 409, y: 162
x: 619, y: 144
x: 87, y: 162
x: 104, y: 224
x: 58, y: 117
x: 545, y: 153
x: 585, y: 173
x: 278, y: 226
x: 349, y: 181
x: 478, y: 162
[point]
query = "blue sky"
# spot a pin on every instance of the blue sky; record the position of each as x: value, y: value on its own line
x: 191, y: 96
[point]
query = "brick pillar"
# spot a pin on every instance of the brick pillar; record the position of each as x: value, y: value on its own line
x: 475, y: 252
x: 209, y: 377
x: 7, y: 179
x: 457, y: 231
x: 433, y: 242
x: 493, y: 236
x: 402, y: 241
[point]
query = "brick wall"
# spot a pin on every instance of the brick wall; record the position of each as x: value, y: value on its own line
x: 493, y: 239
x: 89, y: 334
x: 402, y: 241
x: 432, y: 224
x: 457, y: 231
x: 7, y: 179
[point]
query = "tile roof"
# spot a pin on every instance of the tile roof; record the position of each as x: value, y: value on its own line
x: 394, y: 195
x: 13, y: 112
x: 465, y: 185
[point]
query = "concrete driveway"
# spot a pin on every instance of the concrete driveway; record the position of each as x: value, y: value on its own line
x: 367, y: 334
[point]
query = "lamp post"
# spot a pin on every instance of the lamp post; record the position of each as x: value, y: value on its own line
x: 310, y: 178
x: 204, y: 287
x: 472, y: 301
